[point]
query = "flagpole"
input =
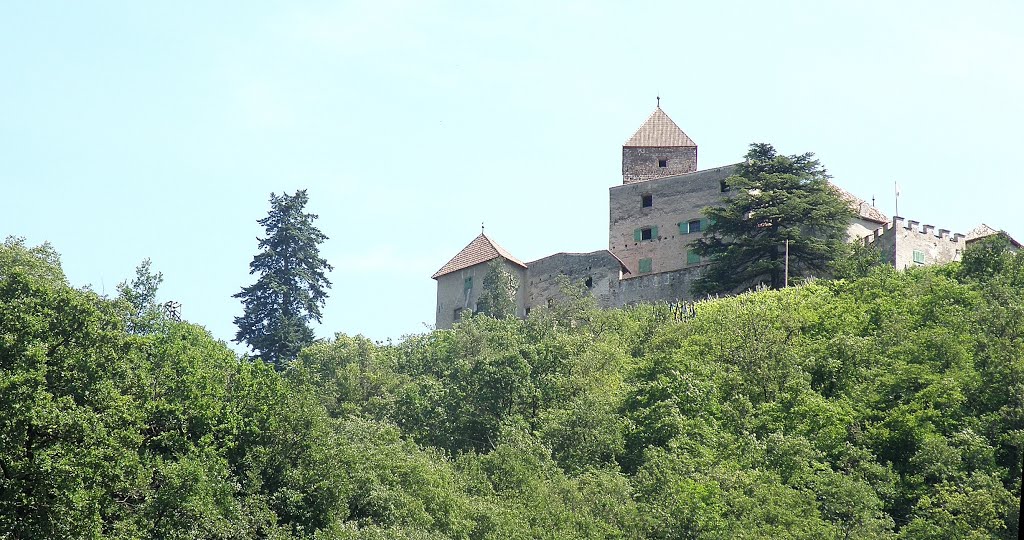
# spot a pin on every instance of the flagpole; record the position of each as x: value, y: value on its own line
x: 787, y: 263
x: 896, y: 187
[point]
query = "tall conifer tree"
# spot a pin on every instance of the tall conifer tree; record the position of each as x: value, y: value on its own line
x: 775, y: 198
x: 292, y: 285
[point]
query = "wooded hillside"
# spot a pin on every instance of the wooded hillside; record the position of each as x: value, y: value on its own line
x: 890, y: 406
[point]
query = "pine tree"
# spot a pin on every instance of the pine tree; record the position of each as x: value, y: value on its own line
x: 292, y: 285
x: 775, y: 198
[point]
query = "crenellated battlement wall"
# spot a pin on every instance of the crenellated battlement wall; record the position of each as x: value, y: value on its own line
x: 912, y: 244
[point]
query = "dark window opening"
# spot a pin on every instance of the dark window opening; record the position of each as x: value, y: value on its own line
x: 646, y: 233
x: 662, y: 163
x: 724, y: 186
x: 694, y: 226
x: 589, y: 282
x: 457, y: 315
x: 647, y: 201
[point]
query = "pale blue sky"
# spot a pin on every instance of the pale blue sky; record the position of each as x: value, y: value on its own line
x: 143, y: 129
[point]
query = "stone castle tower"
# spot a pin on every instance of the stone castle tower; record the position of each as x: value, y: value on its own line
x: 658, y: 149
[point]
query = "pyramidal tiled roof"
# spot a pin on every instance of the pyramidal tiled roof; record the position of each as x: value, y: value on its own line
x: 983, y: 230
x: 659, y: 130
x: 482, y: 249
x: 861, y: 207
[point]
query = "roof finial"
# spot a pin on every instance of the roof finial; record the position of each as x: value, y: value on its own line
x: 658, y: 97
x: 481, y: 227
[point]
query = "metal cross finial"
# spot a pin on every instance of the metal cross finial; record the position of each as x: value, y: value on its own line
x: 659, y: 100
x: 481, y: 227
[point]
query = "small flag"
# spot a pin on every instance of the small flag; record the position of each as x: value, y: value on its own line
x: 897, y: 188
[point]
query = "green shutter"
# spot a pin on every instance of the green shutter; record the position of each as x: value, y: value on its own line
x: 645, y: 266
x: 467, y: 284
x: 636, y: 235
x: 684, y: 228
x: 692, y: 257
x: 711, y: 221
x: 654, y: 233
x: 918, y: 257
x: 704, y: 224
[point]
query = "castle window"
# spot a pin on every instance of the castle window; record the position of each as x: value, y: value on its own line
x: 647, y: 201
x: 589, y: 283
x: 918, y: 257
x: 694, y: 226
x: 692, y: 257
x: 646, y: 233
x: 645, y: 266
x: 457, y: 314
x: 724, y: 186
x: 662, y: 163
x: 467, y: 284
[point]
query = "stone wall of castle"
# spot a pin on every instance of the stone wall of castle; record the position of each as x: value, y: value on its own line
x: 675, y: 202
x: 640, y: 163
x: 905, y: 246
x: 672, y: 286
x: 598, y: 271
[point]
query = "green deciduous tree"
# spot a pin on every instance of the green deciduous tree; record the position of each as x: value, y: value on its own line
x: 138, y: 299
x: 292, y: 284
x: 775, y: 198
x: 498, y: 297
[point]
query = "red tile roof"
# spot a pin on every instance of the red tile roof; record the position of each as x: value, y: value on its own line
x: 482, y: 249
x: 659, y: 130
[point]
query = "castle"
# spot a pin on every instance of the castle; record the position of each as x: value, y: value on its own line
x: 654, y: 217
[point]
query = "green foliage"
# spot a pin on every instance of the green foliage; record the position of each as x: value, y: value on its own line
x: 292, y: 284
x: 855, y: 260
x: 40, y: 262
x: 776, y: 198
x: 498, y: 297
x: 886, y: 406
x: 138, y: 299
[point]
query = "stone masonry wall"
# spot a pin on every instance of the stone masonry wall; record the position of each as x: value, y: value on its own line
x: 672, y: 286
x: 675, y: 200
x: 640, y: 163
x: 601, y: 269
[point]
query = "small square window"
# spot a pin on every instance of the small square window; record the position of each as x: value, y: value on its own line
x: 662, y: 163
x: 589, y: 283
x: 918, y: 257
x: 646, y: 233
x: 457, y: 314
x: 724, y: 186
x: 692, y: 257
x: 694, y: 226
x: 646, y: 201
x: 645, y: 266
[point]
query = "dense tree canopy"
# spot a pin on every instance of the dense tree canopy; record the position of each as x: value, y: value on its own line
x: 889, y: 406
x: 292, y: 283
x: 775, y: 199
